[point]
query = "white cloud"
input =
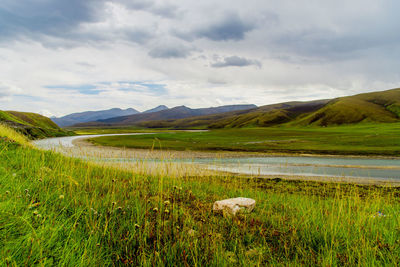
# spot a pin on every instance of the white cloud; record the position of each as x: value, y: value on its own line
x: 307, y: 50
x: 7, y: 90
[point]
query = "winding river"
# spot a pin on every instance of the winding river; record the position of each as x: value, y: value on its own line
x: 384, y: 169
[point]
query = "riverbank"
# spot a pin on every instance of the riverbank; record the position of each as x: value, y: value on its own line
x: 179, y: 154
x: 95, y: 151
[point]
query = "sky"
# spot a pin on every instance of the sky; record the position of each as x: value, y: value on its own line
x: 65, y: 56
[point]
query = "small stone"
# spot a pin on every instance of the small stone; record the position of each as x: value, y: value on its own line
x: 233, y: 205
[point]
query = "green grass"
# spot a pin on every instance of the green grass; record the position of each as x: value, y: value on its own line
x: 362, y: 139
x: 85, y: 227
x: 62, y: 211
x: 33, y: 125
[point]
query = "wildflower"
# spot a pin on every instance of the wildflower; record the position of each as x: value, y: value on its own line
x: 113, y: 180
x: 114, y: 203
x: 155, y: 209
x: 119, y: 208
x: 35, y: 212
x: 192, y: 232
x: 94, y: 211
x: 98, y: 244
x: 166, y: 202
x: 7, y: 192
x: 26, y: 191
x: 166, y: 211
x: 61, y: 197
x: 137, y: 226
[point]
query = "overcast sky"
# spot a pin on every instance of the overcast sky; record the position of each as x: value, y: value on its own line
x: 64, y: 56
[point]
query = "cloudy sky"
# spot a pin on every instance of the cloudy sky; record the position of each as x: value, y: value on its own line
x: 63, y: 56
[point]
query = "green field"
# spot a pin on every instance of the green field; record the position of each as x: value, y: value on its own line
x: 56, y: 210
x: 361, y: 139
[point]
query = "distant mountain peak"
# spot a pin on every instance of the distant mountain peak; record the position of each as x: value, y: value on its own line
x: 156, y: 109
x: 87, y: 116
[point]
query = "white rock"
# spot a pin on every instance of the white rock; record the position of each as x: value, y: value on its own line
x: 233, y: 205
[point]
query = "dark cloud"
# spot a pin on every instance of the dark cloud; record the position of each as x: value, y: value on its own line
x: 170, y: 51
x: 58, y: 23
x: 231, y: 27
x: 29, y: 17
x: 235, y: 61
x: 139, y: 36
x: 162, y: 10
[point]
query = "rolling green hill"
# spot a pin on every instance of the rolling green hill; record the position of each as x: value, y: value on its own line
x: 377, y: 107
x: 31, y: 124
x: 370, y: 107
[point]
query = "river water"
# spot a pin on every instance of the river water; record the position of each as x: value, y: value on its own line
x: 345, y: 167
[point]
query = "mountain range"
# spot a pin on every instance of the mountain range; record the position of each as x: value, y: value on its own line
x: 165, y: 114
x: 87, y: 116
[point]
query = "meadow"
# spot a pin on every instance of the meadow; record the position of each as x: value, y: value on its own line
x: 57, y: 210
x: 360, y: 139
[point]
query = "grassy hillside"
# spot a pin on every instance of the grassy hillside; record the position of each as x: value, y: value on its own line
x: 61, y: 211
x: 370, y: 107
x: 31, y: 124
x: 377, y: 107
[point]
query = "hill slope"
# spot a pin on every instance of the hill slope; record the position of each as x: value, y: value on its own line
x: 369, y: 107
x: 378, y: 107
x: 169, y: 114
x: 31, y: 124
